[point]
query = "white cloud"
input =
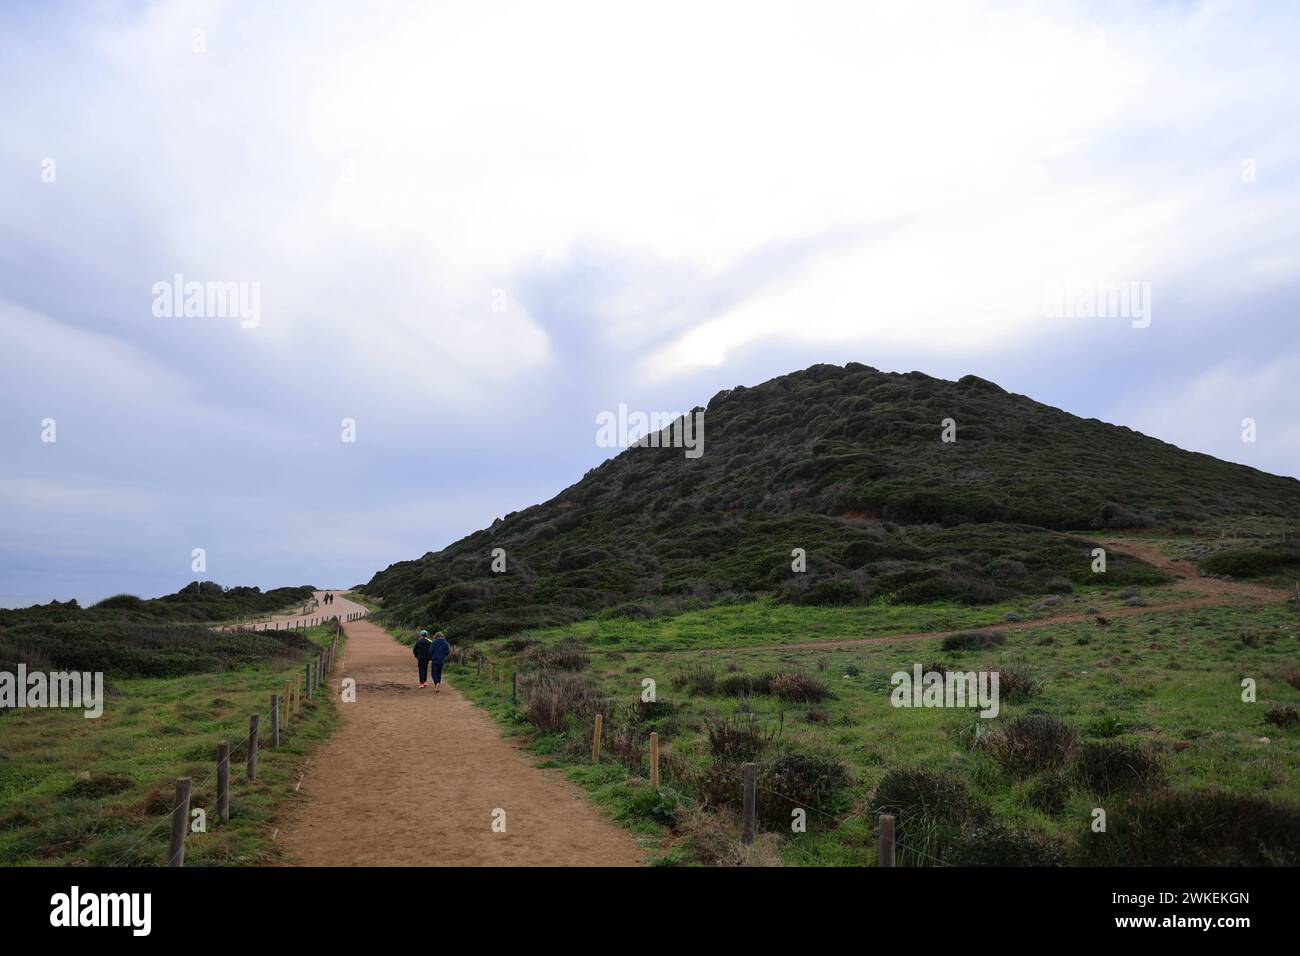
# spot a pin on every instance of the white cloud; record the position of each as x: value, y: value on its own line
x: 685, y: 182
x: 1206, y: 413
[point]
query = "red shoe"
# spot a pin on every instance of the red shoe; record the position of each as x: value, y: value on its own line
x: 422, y: 685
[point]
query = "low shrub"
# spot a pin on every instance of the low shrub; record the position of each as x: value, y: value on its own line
x: 908, y: 793
x: 1251, y: 562
x: 744, y: 685
x: 1048, y: 793
x: 1016, y: 684
x: 565, y: 656
x: 647, y: 710
x: 794, y: 780
x: 1202, y: 828
x: 739, y: 739
x: 931, y: 812
x: 1110, y: 767
x: 554, y: 696
x: 799, y: 688
x: 973, y: 640
x: 696, y: 679
x: 999, y: 845
x: 1283, y: 717
x: 1030, y: 743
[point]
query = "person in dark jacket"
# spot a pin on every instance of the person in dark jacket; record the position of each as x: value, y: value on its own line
x: 421, y: 650
x: 437, y: 657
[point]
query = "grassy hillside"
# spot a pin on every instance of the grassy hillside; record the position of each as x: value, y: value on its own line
x: 98, y: 792
x: 847, y: 464
x: 80, y: 791
x: 1142, y: 716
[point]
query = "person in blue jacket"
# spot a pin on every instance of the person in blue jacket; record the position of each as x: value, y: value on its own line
x: 438, y: 652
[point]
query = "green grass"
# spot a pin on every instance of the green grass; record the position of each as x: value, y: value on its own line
x: 99, y: 792
x: 764, y: 622
x: 1168, y: 681
x: 364, y: 600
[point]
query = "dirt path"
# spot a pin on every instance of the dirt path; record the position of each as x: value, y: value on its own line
x: 341, y: 607
x: 412, y: 778
x: 1210, y: 592
x: 1185, y: 574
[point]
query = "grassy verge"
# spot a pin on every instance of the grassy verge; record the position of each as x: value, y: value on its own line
x: 1161, y: 692
x: 77, y: 791
x: 754, y: 624
x: 370, y: 603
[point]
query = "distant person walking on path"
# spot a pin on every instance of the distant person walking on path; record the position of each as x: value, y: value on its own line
x: 437, y: 657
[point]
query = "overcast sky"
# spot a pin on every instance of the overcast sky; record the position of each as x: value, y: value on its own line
x: 473, y: 227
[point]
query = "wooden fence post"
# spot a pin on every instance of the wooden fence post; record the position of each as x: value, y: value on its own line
x: 886, y: 855
x: 284, y: 704
x: 297, y: 693
x: 223, y: 781
x: 595, y: 741
x: 180, y: 822
x: 306, y: 670
x: 254, y: 727
x: 751, y: 783
x: 514, y: 687
x: 478, y: 672
x: 654, y: 759
x: 275, y: 720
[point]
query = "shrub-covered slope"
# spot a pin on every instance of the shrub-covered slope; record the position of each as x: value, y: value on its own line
x: 127, y: 636
x: 197, y: 601
x: 847, y: 464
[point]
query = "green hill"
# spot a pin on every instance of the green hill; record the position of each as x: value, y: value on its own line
x: 847, y: 464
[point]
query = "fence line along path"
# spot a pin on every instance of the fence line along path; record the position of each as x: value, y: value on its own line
x: 317, y: 613
x: 417, y: 778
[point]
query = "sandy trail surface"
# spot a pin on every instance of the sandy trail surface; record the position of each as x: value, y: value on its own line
x: 341, y: 608
x: 413, y: 778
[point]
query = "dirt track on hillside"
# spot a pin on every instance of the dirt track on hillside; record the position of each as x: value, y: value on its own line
x: 412, y: 777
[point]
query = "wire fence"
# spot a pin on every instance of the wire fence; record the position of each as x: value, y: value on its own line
x: 316, y: 673
x: 889, y: 843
